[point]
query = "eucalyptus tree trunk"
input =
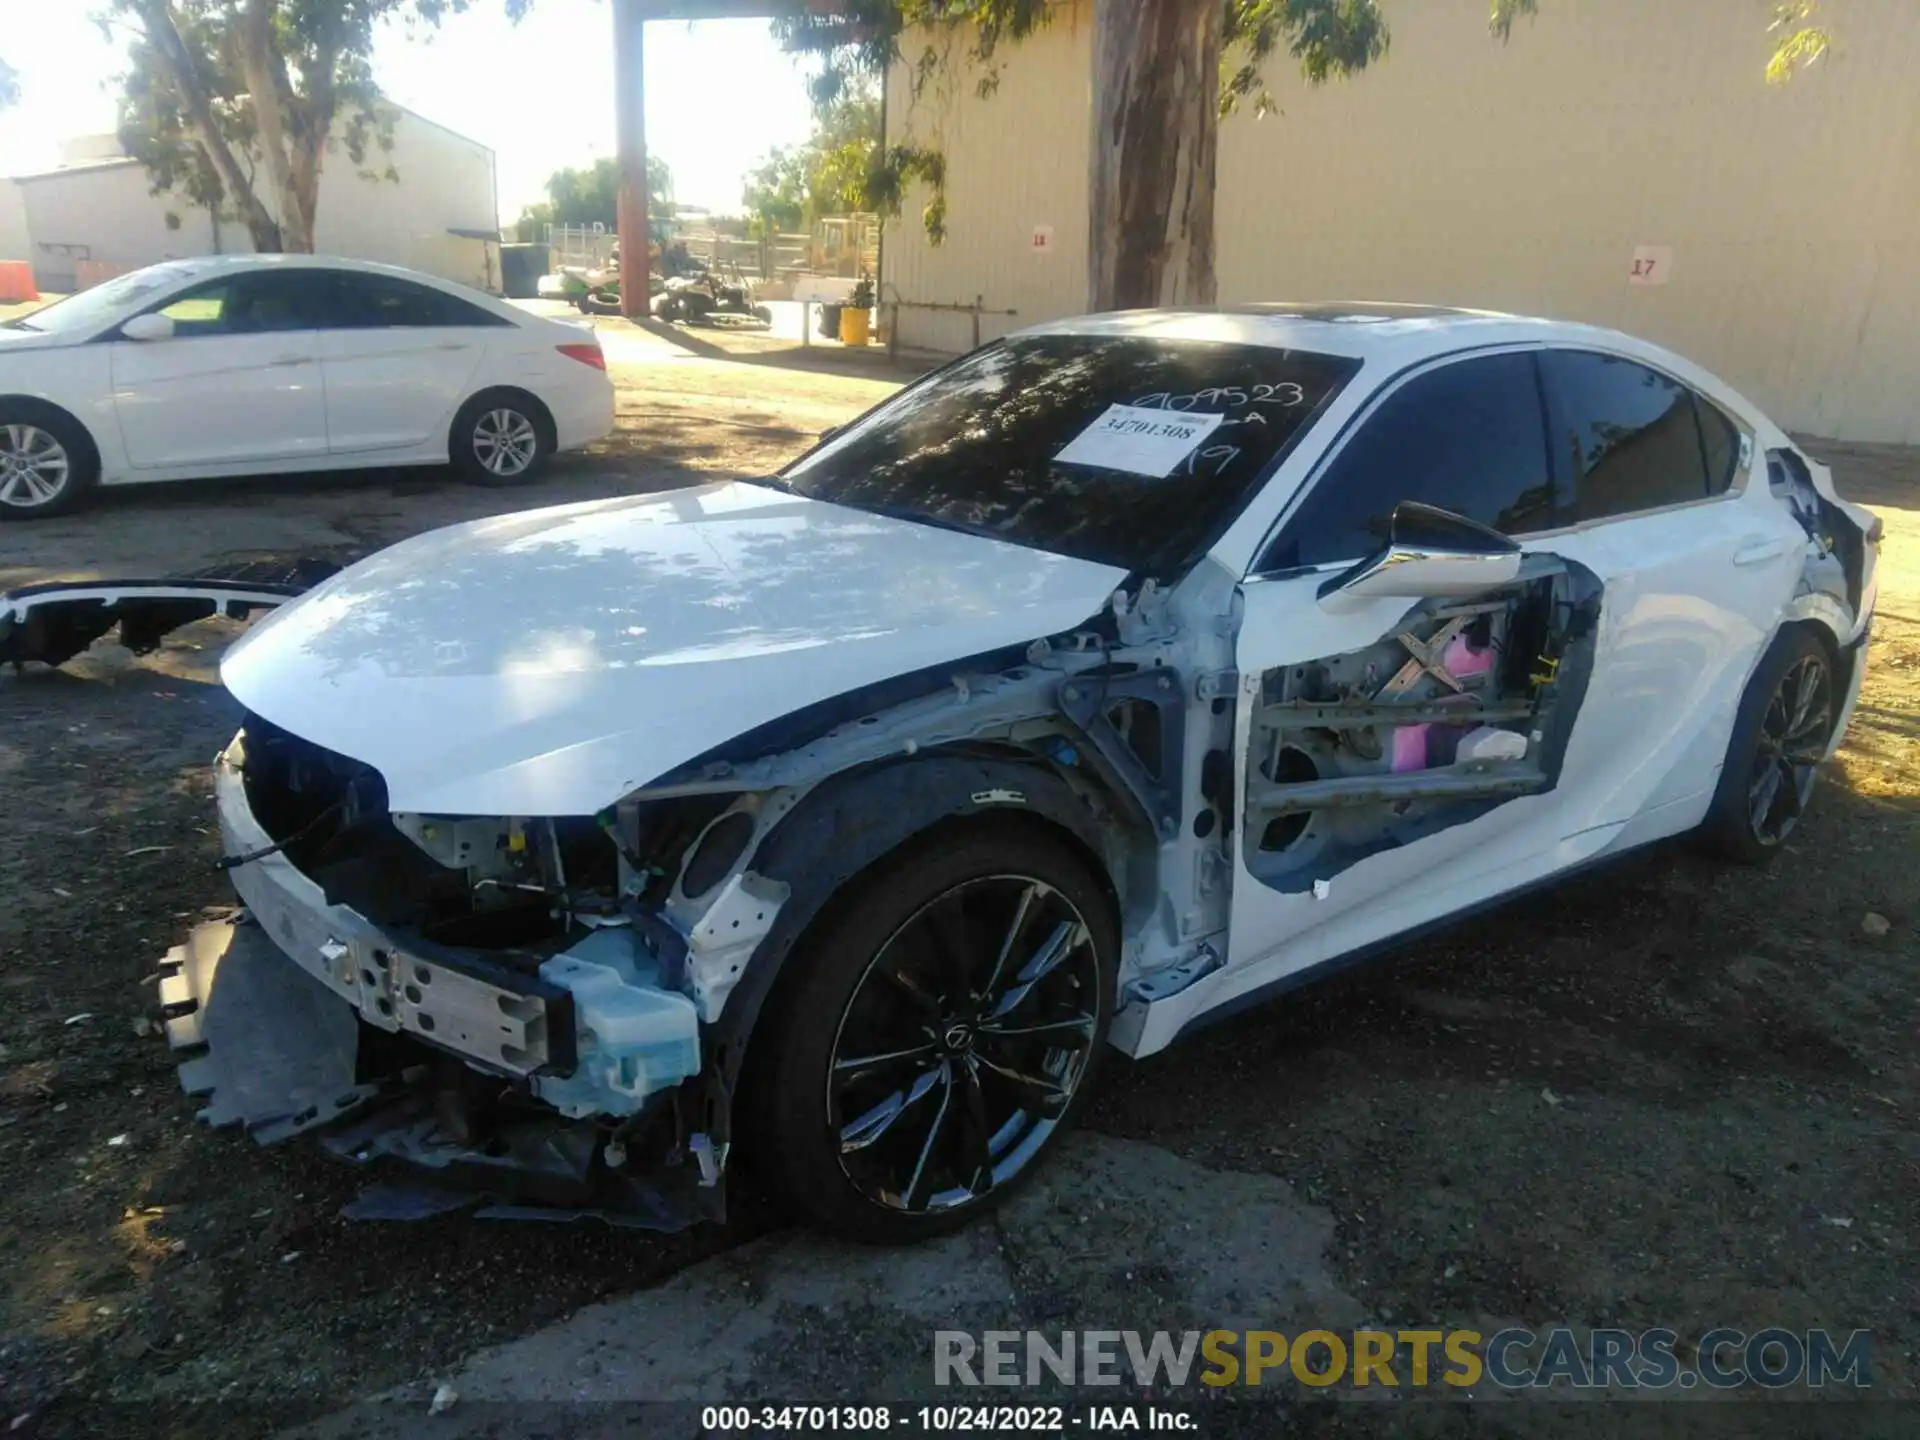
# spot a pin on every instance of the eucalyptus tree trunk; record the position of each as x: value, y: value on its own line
x: 1156, y: 140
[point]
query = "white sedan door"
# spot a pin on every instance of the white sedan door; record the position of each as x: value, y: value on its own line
x: 239, y: 382
x: 1593, y: 693
x: 399, y: 359
x: 1469, y: 437
x: 1697, y: 570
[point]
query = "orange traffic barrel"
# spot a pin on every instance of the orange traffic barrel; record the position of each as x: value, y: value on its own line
x: 16, y: 282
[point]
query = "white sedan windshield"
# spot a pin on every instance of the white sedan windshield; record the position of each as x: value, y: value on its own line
x: 103, y: 302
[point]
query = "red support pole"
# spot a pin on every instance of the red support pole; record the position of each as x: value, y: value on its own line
x: 630, y: 65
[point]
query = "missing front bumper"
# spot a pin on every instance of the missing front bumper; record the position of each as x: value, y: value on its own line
x: 291, y: 1023
x: 497, y: 1019
x: 271, y: 1048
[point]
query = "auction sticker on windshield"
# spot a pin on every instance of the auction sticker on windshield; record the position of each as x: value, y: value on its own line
x: 1137, y: 440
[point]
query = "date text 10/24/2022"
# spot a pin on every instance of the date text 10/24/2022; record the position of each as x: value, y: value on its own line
x: 943, y: 1419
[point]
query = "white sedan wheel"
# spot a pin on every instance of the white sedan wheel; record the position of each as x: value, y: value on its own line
x: 505, y: 442
x: 34, y: 467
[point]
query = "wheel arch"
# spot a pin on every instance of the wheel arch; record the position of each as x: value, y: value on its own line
x: 856, y: 822
x: 13, y: 401
x: 541, y: 414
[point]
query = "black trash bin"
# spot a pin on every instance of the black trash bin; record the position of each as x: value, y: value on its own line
x: 521, y: 267
x: 829, y: 326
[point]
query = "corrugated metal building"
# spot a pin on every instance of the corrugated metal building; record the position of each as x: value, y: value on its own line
x: 98, y: 215
x: 1781, y: 224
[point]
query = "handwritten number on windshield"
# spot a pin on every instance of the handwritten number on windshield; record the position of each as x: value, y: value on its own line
x: 1286, y: 394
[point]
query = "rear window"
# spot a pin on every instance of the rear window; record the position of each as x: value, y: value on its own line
x: 1720, y: 439
x: 1628, y: 434
x: 1127, y: 451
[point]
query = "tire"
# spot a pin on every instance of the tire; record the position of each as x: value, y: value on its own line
x: 958, y: 1109
x: 1779, y: 737
x: 501, y: 437
x: 47, y: 462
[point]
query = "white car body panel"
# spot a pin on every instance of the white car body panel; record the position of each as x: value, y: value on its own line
x: 219, y: 399
x: 397, y: 389
x: 547, y: 663
x: 211, y: 406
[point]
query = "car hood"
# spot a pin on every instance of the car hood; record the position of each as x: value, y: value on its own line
x: 548, y: 662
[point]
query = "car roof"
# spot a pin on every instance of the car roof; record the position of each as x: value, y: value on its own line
x: 1366, y: 330
x: 1386, y: 336
x: 215, y: 264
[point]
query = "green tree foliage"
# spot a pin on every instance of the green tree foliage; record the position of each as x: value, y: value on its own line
x: 829, y: 174
x: 241, y: 101
x: 590, y: 194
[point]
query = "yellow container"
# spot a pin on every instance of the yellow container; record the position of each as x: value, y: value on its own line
x: 855, y: 326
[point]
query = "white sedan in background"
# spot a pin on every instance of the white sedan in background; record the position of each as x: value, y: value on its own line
x: 252, y: 364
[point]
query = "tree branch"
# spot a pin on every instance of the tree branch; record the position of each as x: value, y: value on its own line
x: 162, y: 28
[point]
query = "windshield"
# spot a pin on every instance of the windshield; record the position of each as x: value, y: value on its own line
x: 1128, y: 451
x: 102, y: 303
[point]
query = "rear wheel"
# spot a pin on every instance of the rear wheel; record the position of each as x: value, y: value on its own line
x: 937, y: 1035
x: 47, y: 463
x: 501, y: 437
x: 1779, y: 738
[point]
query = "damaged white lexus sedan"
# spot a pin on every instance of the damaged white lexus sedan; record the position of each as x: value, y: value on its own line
x: 1118, y: 674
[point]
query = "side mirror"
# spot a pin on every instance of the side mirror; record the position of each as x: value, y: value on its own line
x: 1429, y: 552
x: 147, y: 327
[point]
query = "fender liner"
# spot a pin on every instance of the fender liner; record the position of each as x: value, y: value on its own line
x: 847, y: 824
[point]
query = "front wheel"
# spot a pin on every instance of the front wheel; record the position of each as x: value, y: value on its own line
x: 47, y: 463
x: 1779, y: 738
x: 937, y: 1035
x: 500, y: 438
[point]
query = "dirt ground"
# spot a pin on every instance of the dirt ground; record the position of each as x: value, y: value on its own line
x: 1666, y: 1094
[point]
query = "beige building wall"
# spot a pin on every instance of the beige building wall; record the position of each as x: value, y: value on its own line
x: 1524, y: 177
x: 16, y: 241
x: 105, y: 213
x: 1016, y: 164
x: 446, y: 183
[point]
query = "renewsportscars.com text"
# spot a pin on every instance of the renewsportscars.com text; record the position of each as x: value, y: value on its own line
x: 1513, y: 1359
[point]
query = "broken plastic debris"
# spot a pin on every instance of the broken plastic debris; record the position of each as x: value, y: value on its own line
x: 1549, y: 1097
x: 120, y: 1139
x: 1875, y: 924
x: 1839, y: 1222
x: 77, y: 1019
x: 1321, y: 889
x: 444, y: 1399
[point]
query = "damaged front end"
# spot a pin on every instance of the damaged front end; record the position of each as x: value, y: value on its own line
x: 518, y: 1016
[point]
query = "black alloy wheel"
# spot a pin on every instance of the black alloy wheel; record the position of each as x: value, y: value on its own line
x: 1793, y: 740
x: 937, y: 1035
x: 1782, y: 732
x: 964, y: 1043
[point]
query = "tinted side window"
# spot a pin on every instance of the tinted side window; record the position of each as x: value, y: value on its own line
x: 1629, y: 435
x: 1469, y: 437
x: 1720, y: 440
x: 380, y: 302
x: 245, y: 305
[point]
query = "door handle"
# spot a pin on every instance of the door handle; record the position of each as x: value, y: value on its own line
x: 291, y: 360
x: 452, y: 345
x: 1758, y: 549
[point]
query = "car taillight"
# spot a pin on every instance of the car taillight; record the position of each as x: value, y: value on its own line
x: 585, y: 354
